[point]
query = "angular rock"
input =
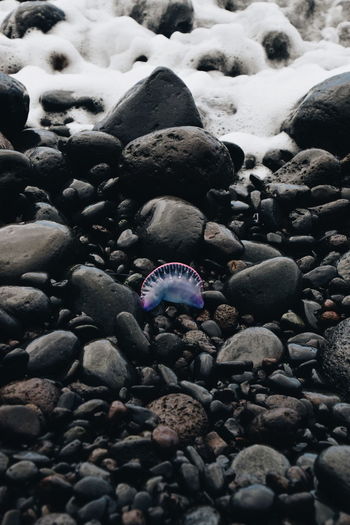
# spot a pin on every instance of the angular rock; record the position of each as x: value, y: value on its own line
x: 34, y: 14
x: 252, y: 464
x: 183, y: 161
x: 170, y: 229
x: 321, y: 118
x: 253, y: 344
x: 182, y: 413
x: 103, y: 364
x: 266, y: 290
x: 220, y: 242
x: 96, y: 294
x: 33, y: 247
x: 334, y: 358
x: 159, y: 101
x: 40, y: 392
x: 51, y: 353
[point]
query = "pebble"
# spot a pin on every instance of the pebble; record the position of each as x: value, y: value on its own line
x: 36, y: 391
x: 22, y: 472
x: 332, y: 473
x: 56, y: 518
x: 253, y: 464
x: 221, y: 243
x: 202, y: 515
x: 14, y: 104
x: 51, y: 353
x: 131, y: 339
x: 253, y: 502
x: 20, y: 423
x: 42, y: 16
x: 333, y: 358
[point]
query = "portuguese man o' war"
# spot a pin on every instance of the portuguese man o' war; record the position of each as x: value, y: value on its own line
x: 174, y: 282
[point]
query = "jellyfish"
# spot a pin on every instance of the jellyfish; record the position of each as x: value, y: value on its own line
x: 174, y: 282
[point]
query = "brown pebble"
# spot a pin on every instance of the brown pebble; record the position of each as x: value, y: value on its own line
x: 329, y: 304
x: 36, y: 391
x: 165, y: 437
x: 109, y: 463
x: 226, y: 316
x: 116, y: 412
x: 215, y: 443
x: 98, y: 454
x: 330, y: 317
x: 236, y: 266
x: 133, y: 517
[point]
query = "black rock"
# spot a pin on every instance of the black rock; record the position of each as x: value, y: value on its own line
x: 333, y: 358
x: 332, y: 472
x: 170, y: 229
x: 266, y: 290
x: 14, y: 105
x: 51, y: 353
x: 319, y: 276
x: 159, y: 101
x: 253, y: 502
x: 50, y: 171
x: 25, y: 303
x: 343, y: 266
x: 131, y: 339
x: 256, y: 252
x: 19, y: 423
x: 92, y: 487
x: 60, y: 101
x: 277, y: 45
x: 89, y: 148
x: 37, y: 246
x: 321, y: 117
x: 96, y: 294
x: 30, y: 138
x: 15, y: 172
x: 22, y: 472
x: 103, y: 364
x: 221, y: 243
x: 36, y: 14
x: 237, y: 154
x: 183, y: 161
x: 203, y: 515
x: 253, y: 344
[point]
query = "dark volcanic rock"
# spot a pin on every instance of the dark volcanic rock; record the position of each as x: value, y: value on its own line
x: 96, y: 294
x: 343, y: 266
x: 15, y: 171
x: 221, y: 243
x: 159, y: 101
x: 184, y: 161
x: 253, y: 502
x: 36, y: 14
x: 40, y: 392
x: 256, y: 252
x: 37, y: 246
x: 311, y: 167
x: 266, y: 290
x: 14, y: 105
x: 322, y: 116
x: 170, y: 15
x: 50, y: 171
x: 334, y: 358
x: 103, y: 364
x: 333, y: 475
x: 170, y: 229
x: 253, y: 464
x: 25, y: 303
x: 18, y: 422
x: 182, y: 413
x: 253, y: 344
x: 89, y: 148
x: 50, y: 353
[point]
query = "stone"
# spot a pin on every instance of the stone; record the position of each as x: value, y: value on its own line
x: 321, y: 117
x: 256, y: 252
x: 37, y: 246
x: 49, y: 168
x: 202, y: 515
x: 19, y: 423
x: 131, y: 338
x: 181, y: 413
x: 56, y: 518
x: 333, y: 475
x: 184, y: 161
x: 96, y: 294
x: 159, y: 101
x: 25, y: 303
x: 253, y: 502
x: 253, y: 463
x: 34, y: 14
x: 35, y: 391
x: 221, y: 243
x: 90, y: 148
x: 103, y: 364
x: 15, y: 171
x: 14, y: 105
x: 334, y: 358
x: 266, y: 290
x: 22, y: 472
x: 275, y: 426
x: 50, y: 354
x: 343, y: 266
x: 253, y: 344
x: 170, y: 229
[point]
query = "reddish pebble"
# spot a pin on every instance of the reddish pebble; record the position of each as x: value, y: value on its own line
x: 165, y: 437
x: 133, y: 517
x: 329, y: 304
x: 330, y: 317
x: 117, y: 411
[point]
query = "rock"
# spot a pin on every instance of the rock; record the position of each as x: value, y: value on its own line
x: 266, y: 290
x: 203, y: 515
x: 332, y: 473
x: 14, y: 105
x: 56, y: 518
x: 19, y: 423
x: 36, y: 14
x: 253, y: 344
x: 96, y: 294
x: 89, y: 148
x: 170, y: 229
x: 226, y: 317
x: 256, y: 252
x: 103, y: 363
x: 37, y: 246
x: 164, y: 18
x: 40, y: 392
x: 25, y: 303
x: 131, y: 338
x: 32, y: 137
x: 221, y: 243
x: 22, y: 472
x: 159, y: 101
x: 253, y: 502
x: 334, y: 358
x: 135, y: 447
x: 252, y: 464
x: 51, y: 353
x: 182, y: 161
x: 49, y: 168
x: 92, y: 487
x: 181, y: 413
x: 60, y: 100
x: 15, y: 171
x: 343, y: 266
x: 321, y: 117
x: 276, y: 426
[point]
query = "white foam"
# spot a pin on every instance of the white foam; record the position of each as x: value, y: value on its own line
x: 97, y: 53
